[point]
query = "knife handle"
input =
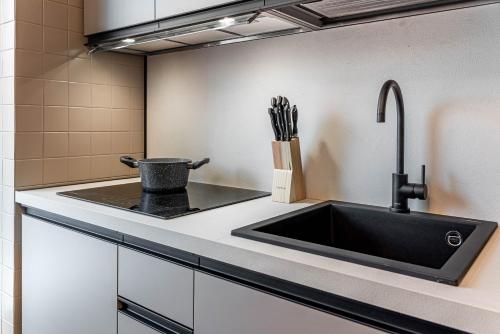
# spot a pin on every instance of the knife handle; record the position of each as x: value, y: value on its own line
x: 285, y: 123
x: 295, y: 118
x: 279, y: 123
x: 273, y: 124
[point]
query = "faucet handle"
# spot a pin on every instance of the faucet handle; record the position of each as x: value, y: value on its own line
x: 420, y: 190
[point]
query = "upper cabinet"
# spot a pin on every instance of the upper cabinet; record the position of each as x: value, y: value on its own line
x: 166, y: 8
x: 106, y: 15
x: 150, y: 27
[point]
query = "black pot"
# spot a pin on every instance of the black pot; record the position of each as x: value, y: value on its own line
x: 165, y: 174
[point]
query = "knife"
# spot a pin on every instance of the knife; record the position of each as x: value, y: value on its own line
x: 290, y: 122
x: 273, y: 124
x: 295, y: 118
x: 279, y: 123
x: 280, y: 100
x: 285, y: 122
x: 285, y: 101
x: 274, y: 102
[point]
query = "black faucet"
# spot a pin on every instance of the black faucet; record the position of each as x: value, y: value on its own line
x: 401, y: 189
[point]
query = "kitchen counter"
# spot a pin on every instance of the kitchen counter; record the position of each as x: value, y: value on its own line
x: 474, y: 306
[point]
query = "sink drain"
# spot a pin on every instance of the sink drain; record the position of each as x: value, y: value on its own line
x: 453, y: 238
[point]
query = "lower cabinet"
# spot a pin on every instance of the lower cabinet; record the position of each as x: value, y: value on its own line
x: 224, y: 307
x: 69, y: 281
x: 72, y: 283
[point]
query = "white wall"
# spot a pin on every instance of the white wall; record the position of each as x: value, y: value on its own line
x: 213, y: 102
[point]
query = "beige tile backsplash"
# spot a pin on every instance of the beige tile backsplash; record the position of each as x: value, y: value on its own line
x: 75, y: 114
x: 66, y: 117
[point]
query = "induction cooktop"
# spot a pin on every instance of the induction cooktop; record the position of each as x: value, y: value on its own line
x: 196, y: 197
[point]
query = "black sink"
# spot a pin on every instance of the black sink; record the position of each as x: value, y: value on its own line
x: 433, y: 247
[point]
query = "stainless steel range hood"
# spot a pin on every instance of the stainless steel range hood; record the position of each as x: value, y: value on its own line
x: 256, y: 19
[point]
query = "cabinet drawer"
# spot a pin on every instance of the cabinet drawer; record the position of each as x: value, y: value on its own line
x: 224, y: 307
x: 127, y: 325
x: 159, y: 285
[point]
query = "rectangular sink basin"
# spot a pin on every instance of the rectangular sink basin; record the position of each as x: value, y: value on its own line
x: 433, y: 247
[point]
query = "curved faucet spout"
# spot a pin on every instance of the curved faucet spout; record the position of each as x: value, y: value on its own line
x: 382, y: 104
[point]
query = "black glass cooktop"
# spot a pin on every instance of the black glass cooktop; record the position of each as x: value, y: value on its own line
x: 195, y: 198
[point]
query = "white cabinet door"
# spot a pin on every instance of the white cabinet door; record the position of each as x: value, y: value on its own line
x: 127, y: 325
x: 69, y: 281
x: 166, y: 8
x: 224, y: 307
x: 105, y: 15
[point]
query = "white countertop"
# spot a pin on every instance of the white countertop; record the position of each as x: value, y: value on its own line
x: 473, y: 306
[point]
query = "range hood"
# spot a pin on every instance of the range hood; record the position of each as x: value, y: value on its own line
x: 256, y: 19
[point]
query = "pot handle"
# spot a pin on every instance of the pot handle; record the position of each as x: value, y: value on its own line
x: 198, y: 164
x: 129, y: 161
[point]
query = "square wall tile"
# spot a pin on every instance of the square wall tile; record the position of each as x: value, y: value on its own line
x: 8, y: 206
x: 80, y: 119
x: 101, y: 119
x: 101, y: 143
x: 7, y: 90
x: 28, y: 64
x: 120, y: 120
x: 79, y: 168
x: 79, y: 145
x: 101, y: 96
x: 120, y: 142
x: 55, y: 15
x: 137, y: 142
x: 8, y: 172
x: 55, y: 144
x: 29, y: 11
x: 120, y: 97
x: 79, y: 70
x: 76, y: 45
x: 6, y: 11
x: 101, y: 65
x: 137, y: 120
x: 7, y: 63
x: 55, y: 119
x: 55, y: 67
x: 55, y: 41
x: 11, y: 255
x: 55, y: 170
x: 29, y: 91
x: 55, y: 93
x: 79, y: 95
x: 29, y: 118
x: 29, y: 145
x: 8, y: 145
x: 11, y: 228
x: 11, y: 281
x: 28, y: 172
x: 29, y: 36
x: 100, y: 166
x: 117, y: 168
x: 75, y: 21
x: 8, y: 117
x: 7, y: 36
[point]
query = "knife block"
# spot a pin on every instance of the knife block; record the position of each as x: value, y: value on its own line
x: 288, y: 180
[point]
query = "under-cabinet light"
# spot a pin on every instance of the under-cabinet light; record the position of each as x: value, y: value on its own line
x: 177, y: 32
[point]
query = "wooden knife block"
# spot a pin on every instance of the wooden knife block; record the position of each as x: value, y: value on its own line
x: 288, y: 180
